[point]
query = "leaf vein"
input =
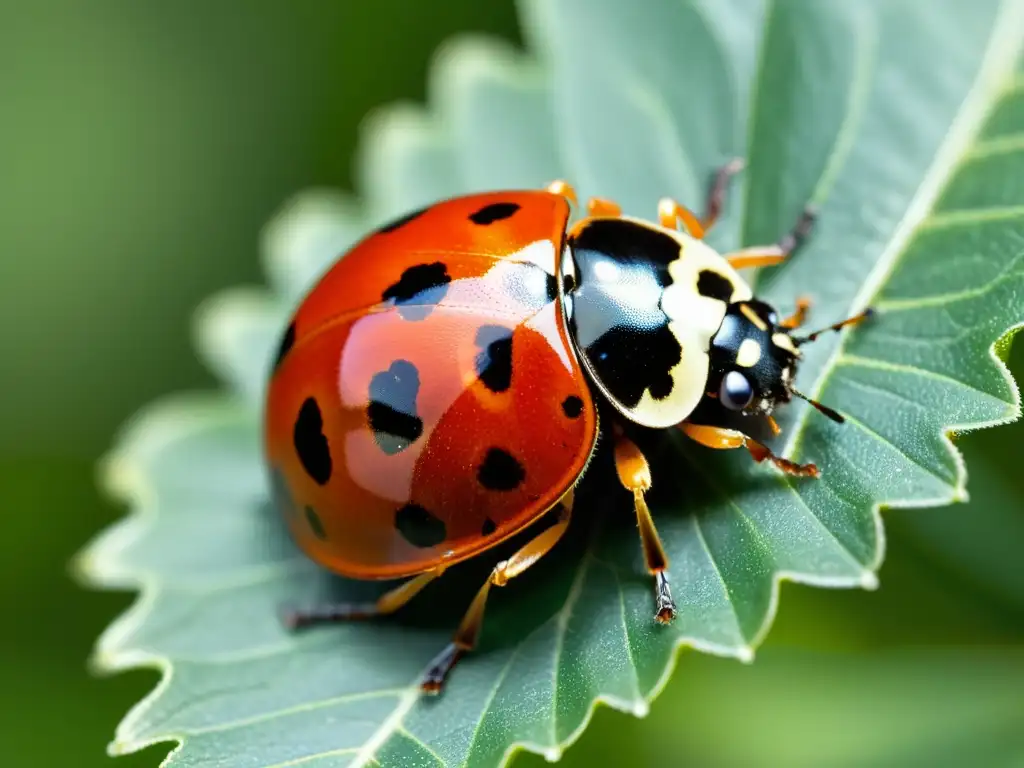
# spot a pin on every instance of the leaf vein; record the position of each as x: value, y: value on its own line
x: 311, y: 706
x: 885, y: 441
x: 626, y: 637
x: 942, y: 300
x: 561, y: 627
x: 426, y: 747
x: 960, y: 217
x: 391, y: 723
x: 309, y: 758
x: 490, y: 700
x: 726, y: 593
x: 855, y: 361
x: 1007, y: 143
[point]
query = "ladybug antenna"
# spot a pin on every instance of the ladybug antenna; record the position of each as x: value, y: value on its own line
x: 859, y: 317
x: 834, y: 415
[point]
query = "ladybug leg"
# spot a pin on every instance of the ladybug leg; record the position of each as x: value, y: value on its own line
x: 596, y: 206
x: 389, y: 602
x: 563, y: 188
x: 716, y: 193
x: 635, y: 474
x: 766, y: 255
x: 468, y: 633
x: 797, y: 318
x: 600, y: 206
x: 671, y: 213
x: 719, y: 437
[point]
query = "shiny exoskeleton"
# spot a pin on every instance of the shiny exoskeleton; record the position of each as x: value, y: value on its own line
x: 436, y: 392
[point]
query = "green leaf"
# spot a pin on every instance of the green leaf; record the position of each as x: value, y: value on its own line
x: 884, y: 709
x: 902, y: 121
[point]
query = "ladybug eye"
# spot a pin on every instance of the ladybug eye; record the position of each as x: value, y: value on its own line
x: 736, y: 391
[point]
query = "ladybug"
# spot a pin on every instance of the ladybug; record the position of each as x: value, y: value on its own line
x: 437, y: 391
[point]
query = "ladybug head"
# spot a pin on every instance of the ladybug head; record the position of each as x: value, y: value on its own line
x: 754, y: 361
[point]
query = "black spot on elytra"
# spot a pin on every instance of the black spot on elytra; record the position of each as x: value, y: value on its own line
x: 392, y: 408
x: 630, y: 361
x: 488, y: 527
x: 494, y: 361
x: 714, y: 286
x: 401, y: 221
x: 315, y: 524
x: 493, y: 212
x: 287, y: 342
x: 552, y: 287
x: 418, y: 289
x: 419, y: 527
x: 572, y: 406
x: 310, y: 442
x: 500, y: 471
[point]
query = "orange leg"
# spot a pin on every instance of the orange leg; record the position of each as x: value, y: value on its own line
x: 596, y: 206
x: 766, y: 255
x: 563, y: 188
x: 799, y: 316
x: 468, y: 633
x: 719, y: 437
x: 671, y: 213
x: 716, y: 195
x: 387, y: 603
x: 600, y: 206
x: 635, y: 475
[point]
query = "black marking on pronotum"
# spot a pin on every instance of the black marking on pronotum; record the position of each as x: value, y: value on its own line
x: 419, y: 527
x: 310, y: 443
x: 714, y: 286
x: 627, y: 245
x: 631, y: 361
x: 493, y: 212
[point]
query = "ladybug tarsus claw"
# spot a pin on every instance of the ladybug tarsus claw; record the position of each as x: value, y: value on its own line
x: 440, y: 667
x: 666, y: 605
x: 291, y: 618
x: 431, y: 687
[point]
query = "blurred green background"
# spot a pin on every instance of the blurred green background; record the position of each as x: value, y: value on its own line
x: 142, y: 147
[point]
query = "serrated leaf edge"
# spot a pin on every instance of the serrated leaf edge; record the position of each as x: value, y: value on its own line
x: 97, y: 564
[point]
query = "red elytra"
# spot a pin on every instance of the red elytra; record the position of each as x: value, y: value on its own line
x: 428, y: 404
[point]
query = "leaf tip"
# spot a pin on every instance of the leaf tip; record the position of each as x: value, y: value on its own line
x: 745, y: 654
x: 869, y: 580
x: 100, y: 663
x: 121, y: 747
x: 553, y: 754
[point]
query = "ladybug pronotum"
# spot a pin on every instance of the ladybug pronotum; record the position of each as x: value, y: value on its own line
x: 437, y: 391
